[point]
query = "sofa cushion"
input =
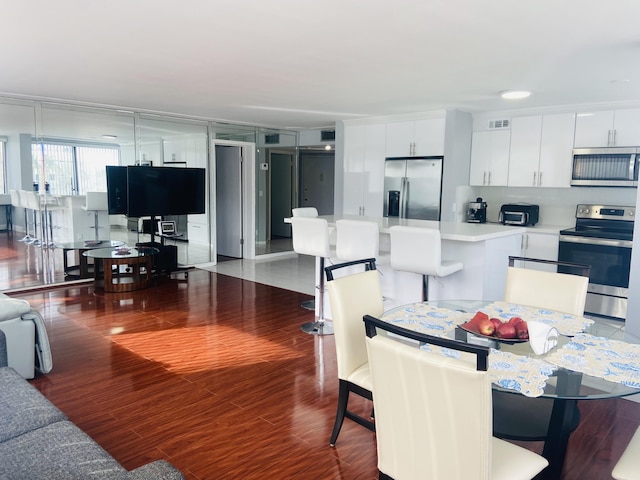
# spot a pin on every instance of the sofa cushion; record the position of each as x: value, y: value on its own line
x: 60, y: 450
x: 22, y: 407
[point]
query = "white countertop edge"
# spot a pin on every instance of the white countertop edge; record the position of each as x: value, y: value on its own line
x: 460, y: 232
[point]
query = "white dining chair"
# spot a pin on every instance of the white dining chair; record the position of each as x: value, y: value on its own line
x: 562, y: 292
x: 628, y: 466
x: 351, y: 297
x: 433, y: 411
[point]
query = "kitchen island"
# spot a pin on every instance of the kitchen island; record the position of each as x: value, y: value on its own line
x: 482, y: 248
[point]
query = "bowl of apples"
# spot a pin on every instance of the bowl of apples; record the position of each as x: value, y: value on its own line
x: 514, y: 330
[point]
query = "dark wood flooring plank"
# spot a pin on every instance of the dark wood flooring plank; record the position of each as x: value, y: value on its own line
x: 215, y: 376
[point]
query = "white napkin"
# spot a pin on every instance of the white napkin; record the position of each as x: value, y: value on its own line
x: 542, y: 337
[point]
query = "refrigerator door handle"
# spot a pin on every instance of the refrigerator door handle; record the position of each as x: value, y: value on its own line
x: 405, y: 197
x: 402, y: 196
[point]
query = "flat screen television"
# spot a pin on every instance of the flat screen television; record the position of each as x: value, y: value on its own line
x: 117, y: 190
x: 156, y: 191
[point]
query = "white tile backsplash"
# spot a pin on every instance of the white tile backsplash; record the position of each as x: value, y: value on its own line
x: 557, y: 205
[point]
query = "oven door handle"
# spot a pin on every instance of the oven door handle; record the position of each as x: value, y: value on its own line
x: 597, y: 241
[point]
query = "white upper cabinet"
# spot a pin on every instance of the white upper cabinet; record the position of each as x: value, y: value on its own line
x: 416, y: 138
x: 541, y: 150
x: 490, y: 158
x: 556, y: 150
x: 524, y: 153
x: 608, y: 128
x: 364, y: 169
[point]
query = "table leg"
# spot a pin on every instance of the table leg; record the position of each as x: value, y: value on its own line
x: 555, y: 446
x: 561, y: 423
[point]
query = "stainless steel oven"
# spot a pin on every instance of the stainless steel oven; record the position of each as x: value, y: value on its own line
x: 602, y: 238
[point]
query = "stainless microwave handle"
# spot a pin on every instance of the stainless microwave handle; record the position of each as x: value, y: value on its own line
x: 632, y: 166
x: 605, y: 242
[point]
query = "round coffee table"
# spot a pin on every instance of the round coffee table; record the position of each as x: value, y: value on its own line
x: 137, y: 271
x: 82, y: 268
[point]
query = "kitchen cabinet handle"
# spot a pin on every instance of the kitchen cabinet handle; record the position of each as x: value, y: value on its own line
x: 489, y: 178
x: 540, y: 179
x: 534, y: 178
x: 484, y: 178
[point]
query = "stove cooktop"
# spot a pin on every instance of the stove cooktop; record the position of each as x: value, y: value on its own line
x: 603, y: 221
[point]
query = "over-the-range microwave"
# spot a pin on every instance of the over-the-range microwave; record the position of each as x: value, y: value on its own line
x: 605, y: 167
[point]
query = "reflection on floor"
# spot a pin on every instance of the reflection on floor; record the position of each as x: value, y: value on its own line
x: 291, y: 272
x: 275, y: 245
x: 25, y: 266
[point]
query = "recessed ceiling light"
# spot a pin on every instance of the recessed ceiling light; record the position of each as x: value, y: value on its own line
x: 110, y: 137
x: 515, y: 94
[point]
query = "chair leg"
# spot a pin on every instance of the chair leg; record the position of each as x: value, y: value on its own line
x: 343, y: 399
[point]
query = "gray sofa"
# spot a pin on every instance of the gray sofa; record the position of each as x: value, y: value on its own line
x: 37, y: 441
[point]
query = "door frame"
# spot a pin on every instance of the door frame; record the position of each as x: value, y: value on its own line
x: 248, y: 153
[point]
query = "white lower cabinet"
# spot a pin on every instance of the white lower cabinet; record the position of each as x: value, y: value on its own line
x: 542, y: 246
x: 197, y: 233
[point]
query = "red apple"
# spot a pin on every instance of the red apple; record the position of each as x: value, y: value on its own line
x: 486, y: 327
x: 522, y: 330
x: 515, y: 320
x: 496, y: 322
x: 477, y: 318
x: 506, y: 330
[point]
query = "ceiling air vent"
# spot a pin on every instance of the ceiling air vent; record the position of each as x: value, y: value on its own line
x: 499, y: 124
x: 327, y: 135
x: 272, y: 138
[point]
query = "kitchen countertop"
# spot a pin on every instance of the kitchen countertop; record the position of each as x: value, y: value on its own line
x: 461, y: 232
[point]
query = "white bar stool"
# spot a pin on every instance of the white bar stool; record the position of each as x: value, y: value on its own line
x: 419, y: 250
x: 356, y: 240
x: 304, y: 212
x: 96, y: 202
x: 31, y: 201
x: 311, y: 237
x: 15, y: 204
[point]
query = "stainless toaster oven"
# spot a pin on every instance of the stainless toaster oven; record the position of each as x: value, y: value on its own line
x: 524, y: 214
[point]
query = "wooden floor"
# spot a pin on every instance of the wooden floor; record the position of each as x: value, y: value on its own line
x: 213, y: 374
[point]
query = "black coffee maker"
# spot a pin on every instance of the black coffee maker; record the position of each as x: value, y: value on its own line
x: 477, y: 211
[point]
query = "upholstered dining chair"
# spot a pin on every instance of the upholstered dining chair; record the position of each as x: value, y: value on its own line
x: 563, y: 292
x: 628, y: 466
x: 419, y: 250
x: 433, y: 410
x: 351, y: 297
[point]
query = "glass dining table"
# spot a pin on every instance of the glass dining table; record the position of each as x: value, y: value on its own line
x: 593, y: 359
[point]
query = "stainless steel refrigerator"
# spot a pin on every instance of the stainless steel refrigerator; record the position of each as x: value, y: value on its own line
x: 412, y: 187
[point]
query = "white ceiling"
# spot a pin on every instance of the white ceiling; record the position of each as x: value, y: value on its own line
x: 305, y: 64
